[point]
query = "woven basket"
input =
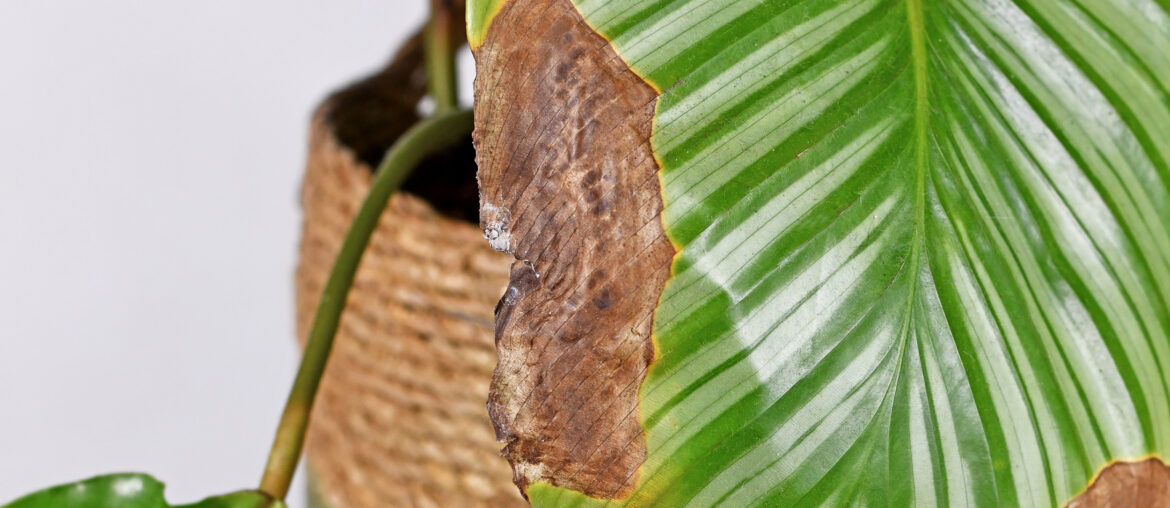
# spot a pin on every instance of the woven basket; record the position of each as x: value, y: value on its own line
x: 400, y: 419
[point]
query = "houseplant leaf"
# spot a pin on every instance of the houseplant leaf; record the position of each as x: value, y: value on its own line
x: 130, y: 490
x: 923, y: 247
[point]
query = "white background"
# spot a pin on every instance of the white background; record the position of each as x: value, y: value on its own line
x: 150, y: 157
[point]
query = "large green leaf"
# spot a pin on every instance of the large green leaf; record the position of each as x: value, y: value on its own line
x: 130, y: 490
x: 924, y: 248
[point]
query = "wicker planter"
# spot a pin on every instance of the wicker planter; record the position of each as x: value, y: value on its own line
x: 400, y: 419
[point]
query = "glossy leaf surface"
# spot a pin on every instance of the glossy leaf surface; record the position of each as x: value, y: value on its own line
x: 924, y: 248
x: 130, y: 491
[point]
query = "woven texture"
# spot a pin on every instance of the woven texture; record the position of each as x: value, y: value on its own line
x: 400, y: 419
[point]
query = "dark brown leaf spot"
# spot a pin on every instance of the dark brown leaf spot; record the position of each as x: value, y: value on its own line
x: 590, y: 178
x: 604, y: 300
x: 595, y: 279
x: 563, y: 71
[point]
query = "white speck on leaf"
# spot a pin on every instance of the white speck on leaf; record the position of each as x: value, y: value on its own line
x: 128, y: 486
x: 495, y: 226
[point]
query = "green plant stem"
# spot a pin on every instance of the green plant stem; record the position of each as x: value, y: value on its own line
x: 428, y: 136
x: 439, y: 49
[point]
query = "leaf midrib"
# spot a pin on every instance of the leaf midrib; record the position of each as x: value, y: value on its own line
x: 917, y: 24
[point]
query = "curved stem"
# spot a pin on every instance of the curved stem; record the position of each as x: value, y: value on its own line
x: 439, y: 47
x: 426, y: 137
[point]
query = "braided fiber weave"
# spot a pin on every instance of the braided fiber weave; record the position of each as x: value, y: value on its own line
x: 400, y: 419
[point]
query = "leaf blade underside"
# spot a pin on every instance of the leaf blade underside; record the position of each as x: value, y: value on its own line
x: 924, y: 248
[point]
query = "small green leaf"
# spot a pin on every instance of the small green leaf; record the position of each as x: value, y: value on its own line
x: 241, y: 499
x: 112, y: 491
x: 131, y: 490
